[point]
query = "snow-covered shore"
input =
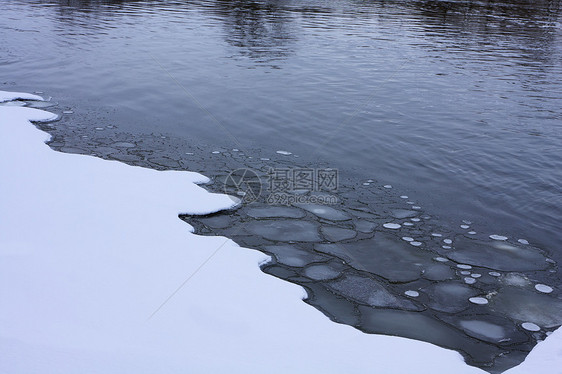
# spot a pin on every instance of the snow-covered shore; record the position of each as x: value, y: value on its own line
x: 89, y: 249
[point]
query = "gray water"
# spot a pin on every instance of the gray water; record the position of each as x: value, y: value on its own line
x: 455, y: 104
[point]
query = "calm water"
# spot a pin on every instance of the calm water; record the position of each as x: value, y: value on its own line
x: 457, y: 103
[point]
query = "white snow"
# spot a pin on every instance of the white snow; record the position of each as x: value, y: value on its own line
x: 546, y: 357
x: 90, y: 249
x: 9, y: 96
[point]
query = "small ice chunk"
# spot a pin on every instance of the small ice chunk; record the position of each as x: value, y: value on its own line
x: 68, y: 111
x: 530, y: 326
x: 99, y: 128
x: 410, y: 202
x: 264, y: 159
x: 416, y: 244
x: 416, y: 207
x: 408, y: 224
x: 370, y: 181
x: 447, y: 241
x: 407, y: 238
x: 498, y: 237
x: 392, y: 226
x: 478, y: 300
x: 366, y: 184
x: 235, y: 150
x: 215, y: 152
x: 463, y: 266
x: 472, y: 232
x: 436, y: 235
x: 465, y: 226
x: 387, y: 186
x: 476, y: 275
x: 403, y: 197
x: 412, y: 293
x: 446, y: 246
x: 467, y: 222
x: 523, y: 241
x: 441, y: 259
x: 415, y: 219
x: 284, y: 153
x: 465, y: 272
x: 469, y: 280
x: 189, y: 153
x: 321, y: 272
x: 494, y: 274
x: 543, y: 288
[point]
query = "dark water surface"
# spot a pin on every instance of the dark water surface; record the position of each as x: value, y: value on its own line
x: 457, y: 104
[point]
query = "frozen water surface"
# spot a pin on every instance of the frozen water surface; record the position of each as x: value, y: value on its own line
x: 370, y: 292
x: 325, y: 212
x: 449, y: 297
x: 484, y: 330
x: 275, y: 212
x: 293, y: 256
x: 403, y: 213
x: 321, y: 272
x: 285, y: 230
x: 498, y: 256
x: 384, y: 255
x: 336, y: 234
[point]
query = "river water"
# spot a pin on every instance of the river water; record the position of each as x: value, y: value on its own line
x: 455, y: 103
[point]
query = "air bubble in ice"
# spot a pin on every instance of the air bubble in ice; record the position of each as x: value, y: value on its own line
x: 523, y: 241
x: 436, y: 235
x: 387, y: 186
x: 447, y: 241
x: 284, y: 153
x: 465, y: 226
x: 392, y: 226
x: 469, y: 280
x: 415, y: 219
x: 407, y: 238
x: 416, y: 244
x: 463, y: 266
x: 494, y: 274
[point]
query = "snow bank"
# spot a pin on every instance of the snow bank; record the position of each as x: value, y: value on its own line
x: 9, y: 96
x: 89, y: 249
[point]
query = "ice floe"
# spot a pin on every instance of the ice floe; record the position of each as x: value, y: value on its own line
x: 498, y: 237
x: 478, y: 300
x: 543, y: 288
